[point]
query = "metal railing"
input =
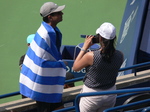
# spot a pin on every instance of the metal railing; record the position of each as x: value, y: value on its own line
x: 141, y: 65
x: 147, y: 109
x: 121, y: 91
x: 113, y: 109
x: 130, y: 91
x: 135, y: 90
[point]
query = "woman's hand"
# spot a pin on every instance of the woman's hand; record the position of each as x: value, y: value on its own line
x: 88, y: 42
x: 84, y: 58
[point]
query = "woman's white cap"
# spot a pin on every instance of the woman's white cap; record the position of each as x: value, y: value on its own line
x: 107, y: 31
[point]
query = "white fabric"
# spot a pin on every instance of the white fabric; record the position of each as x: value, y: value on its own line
x: 41, y: 88
x: 96, y: 103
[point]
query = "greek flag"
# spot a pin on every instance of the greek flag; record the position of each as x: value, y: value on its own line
x: 43, y: 73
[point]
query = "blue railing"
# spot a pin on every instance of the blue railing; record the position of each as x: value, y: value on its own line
x: 113, y: 109
x: 136, y: 90
x: 9, y: 94
x: 147, y: 109
x: 141, y: 65
x: 130, y: 91
x: 121, y: 91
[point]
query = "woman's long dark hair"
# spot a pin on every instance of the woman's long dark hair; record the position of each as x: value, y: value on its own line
x: 108, y: 49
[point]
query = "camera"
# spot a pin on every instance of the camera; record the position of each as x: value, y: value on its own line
x: 95, y: 39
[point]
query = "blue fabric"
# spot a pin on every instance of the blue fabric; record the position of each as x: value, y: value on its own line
x: 43, y: 73
x: 40, y: 96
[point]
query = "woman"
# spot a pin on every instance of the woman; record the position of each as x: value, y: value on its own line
x: 101, y: 69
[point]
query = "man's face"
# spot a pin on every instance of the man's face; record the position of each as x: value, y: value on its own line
x: 57, y: 17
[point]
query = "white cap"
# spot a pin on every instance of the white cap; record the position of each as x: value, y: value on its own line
x: 50, y: 7
x: 107, y: 31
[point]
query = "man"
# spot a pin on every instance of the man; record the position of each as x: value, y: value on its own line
x: 43, y: 73
x: 29, y: 40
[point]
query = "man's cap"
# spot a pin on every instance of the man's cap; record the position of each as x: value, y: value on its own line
x: 30, y: 38
x: 107, y: 31
x: 50, y: 7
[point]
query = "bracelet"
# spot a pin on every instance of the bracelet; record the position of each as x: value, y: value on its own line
x: 83, y: 50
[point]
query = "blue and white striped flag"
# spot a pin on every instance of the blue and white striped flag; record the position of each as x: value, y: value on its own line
x: 43, y: 73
